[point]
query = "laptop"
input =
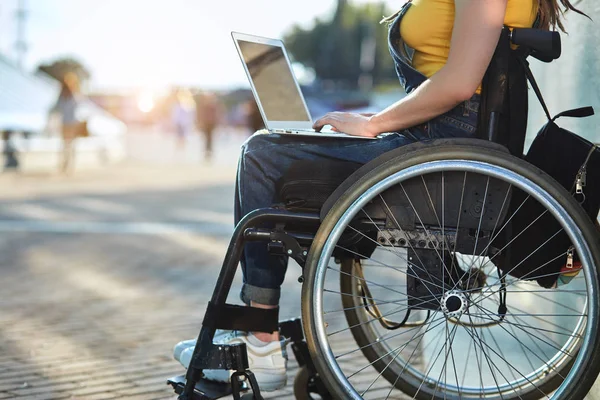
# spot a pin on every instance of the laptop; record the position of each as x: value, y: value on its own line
x: 275, y: 88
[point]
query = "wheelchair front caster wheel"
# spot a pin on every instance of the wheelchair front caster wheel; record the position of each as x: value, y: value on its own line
x: 302, y: 384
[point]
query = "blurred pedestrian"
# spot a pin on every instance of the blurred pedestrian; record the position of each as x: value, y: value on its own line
x: 208, y: 115
x: 69, y: 100
x: 11, y: 162
x: 254, y: 119
x: 182, y: 115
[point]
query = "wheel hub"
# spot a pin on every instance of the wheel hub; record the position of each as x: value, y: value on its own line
x: 454, y: 303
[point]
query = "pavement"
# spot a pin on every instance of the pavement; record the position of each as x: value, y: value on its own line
x: 105, y: 270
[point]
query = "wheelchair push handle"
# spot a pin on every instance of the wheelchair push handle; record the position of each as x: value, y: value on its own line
x: 544, y: 45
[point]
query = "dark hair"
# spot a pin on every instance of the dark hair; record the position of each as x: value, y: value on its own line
x: 551, y: 13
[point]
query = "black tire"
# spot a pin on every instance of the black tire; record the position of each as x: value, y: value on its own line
x: 576, y: 387
x: 301, y: 384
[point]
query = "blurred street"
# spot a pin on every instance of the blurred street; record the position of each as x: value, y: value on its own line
x: 103, y: 272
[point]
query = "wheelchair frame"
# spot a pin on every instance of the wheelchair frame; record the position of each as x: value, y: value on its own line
x: 221, y: 315
x: 296, y: 244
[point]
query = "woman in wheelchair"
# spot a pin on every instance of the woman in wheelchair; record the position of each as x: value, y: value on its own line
x: 442, y: 50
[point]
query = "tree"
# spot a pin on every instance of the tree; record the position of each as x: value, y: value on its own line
x: 58, y: 68
x: 333, y: 47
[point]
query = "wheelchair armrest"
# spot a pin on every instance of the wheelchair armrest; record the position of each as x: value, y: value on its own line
x: 544, y: 45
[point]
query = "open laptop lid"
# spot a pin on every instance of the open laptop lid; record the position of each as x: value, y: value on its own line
x: 273, y: 83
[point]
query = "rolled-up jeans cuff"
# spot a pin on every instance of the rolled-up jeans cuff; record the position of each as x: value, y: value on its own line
x: 260, y: 295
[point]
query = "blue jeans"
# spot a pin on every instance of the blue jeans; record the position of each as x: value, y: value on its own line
x: 265, y: 157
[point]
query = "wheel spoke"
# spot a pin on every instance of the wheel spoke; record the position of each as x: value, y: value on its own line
x: 423, y: 267
x: 384, y: 338
x: 462, y: 196
x: 490, y: 363
x: 483, y: 210
x: 518, y: 280
x: 533, y: 352
x: 447, y: 347
x: 499, y: 336
x: 401, y: 347
x: 426, y: 231
x: 440, y: 224
x: 395, y: 269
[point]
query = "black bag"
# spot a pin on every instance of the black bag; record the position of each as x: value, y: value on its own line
x: 544, y: 248
x: 570, y: 159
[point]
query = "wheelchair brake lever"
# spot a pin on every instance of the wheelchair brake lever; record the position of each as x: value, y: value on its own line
x: 290, y: 247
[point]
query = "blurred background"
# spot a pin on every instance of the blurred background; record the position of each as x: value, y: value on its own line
x: 114, y: 218
x: 168, y: 69
x: 142, y: 67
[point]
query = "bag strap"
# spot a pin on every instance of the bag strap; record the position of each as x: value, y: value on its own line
x: 535, y: 86
x: 576, y: 113
x: 581, y: 112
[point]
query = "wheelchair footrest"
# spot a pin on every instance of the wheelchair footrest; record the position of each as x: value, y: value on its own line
x: 204, y: 390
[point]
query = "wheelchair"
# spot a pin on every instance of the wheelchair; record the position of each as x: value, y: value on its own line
x: 444, y: 269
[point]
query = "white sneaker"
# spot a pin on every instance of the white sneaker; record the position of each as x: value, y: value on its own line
x: 181, y: 346
x: 267, y: 361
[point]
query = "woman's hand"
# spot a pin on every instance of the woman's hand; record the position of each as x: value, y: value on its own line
x: 349, y: 123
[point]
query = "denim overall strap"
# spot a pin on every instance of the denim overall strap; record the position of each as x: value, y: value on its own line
x: 409, y: 77
x: 461, y: 121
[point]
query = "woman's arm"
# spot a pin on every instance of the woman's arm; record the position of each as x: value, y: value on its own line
x: 477, y: 27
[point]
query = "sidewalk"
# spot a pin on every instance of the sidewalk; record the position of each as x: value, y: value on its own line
x: 103, y: 273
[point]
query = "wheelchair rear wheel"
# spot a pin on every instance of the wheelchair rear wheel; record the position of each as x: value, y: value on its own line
x: 462, y: 292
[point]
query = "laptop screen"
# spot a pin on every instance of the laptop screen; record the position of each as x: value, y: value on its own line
x: 273, y: 82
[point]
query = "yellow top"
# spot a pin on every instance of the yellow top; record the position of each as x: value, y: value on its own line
x: 427, y: 28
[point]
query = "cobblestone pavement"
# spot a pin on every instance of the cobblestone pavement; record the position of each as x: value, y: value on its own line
x: 103, y: 272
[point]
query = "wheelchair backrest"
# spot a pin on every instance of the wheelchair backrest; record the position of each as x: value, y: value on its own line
x: 504, y: 105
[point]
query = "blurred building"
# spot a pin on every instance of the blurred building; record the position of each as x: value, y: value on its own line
x: 24, y: 98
